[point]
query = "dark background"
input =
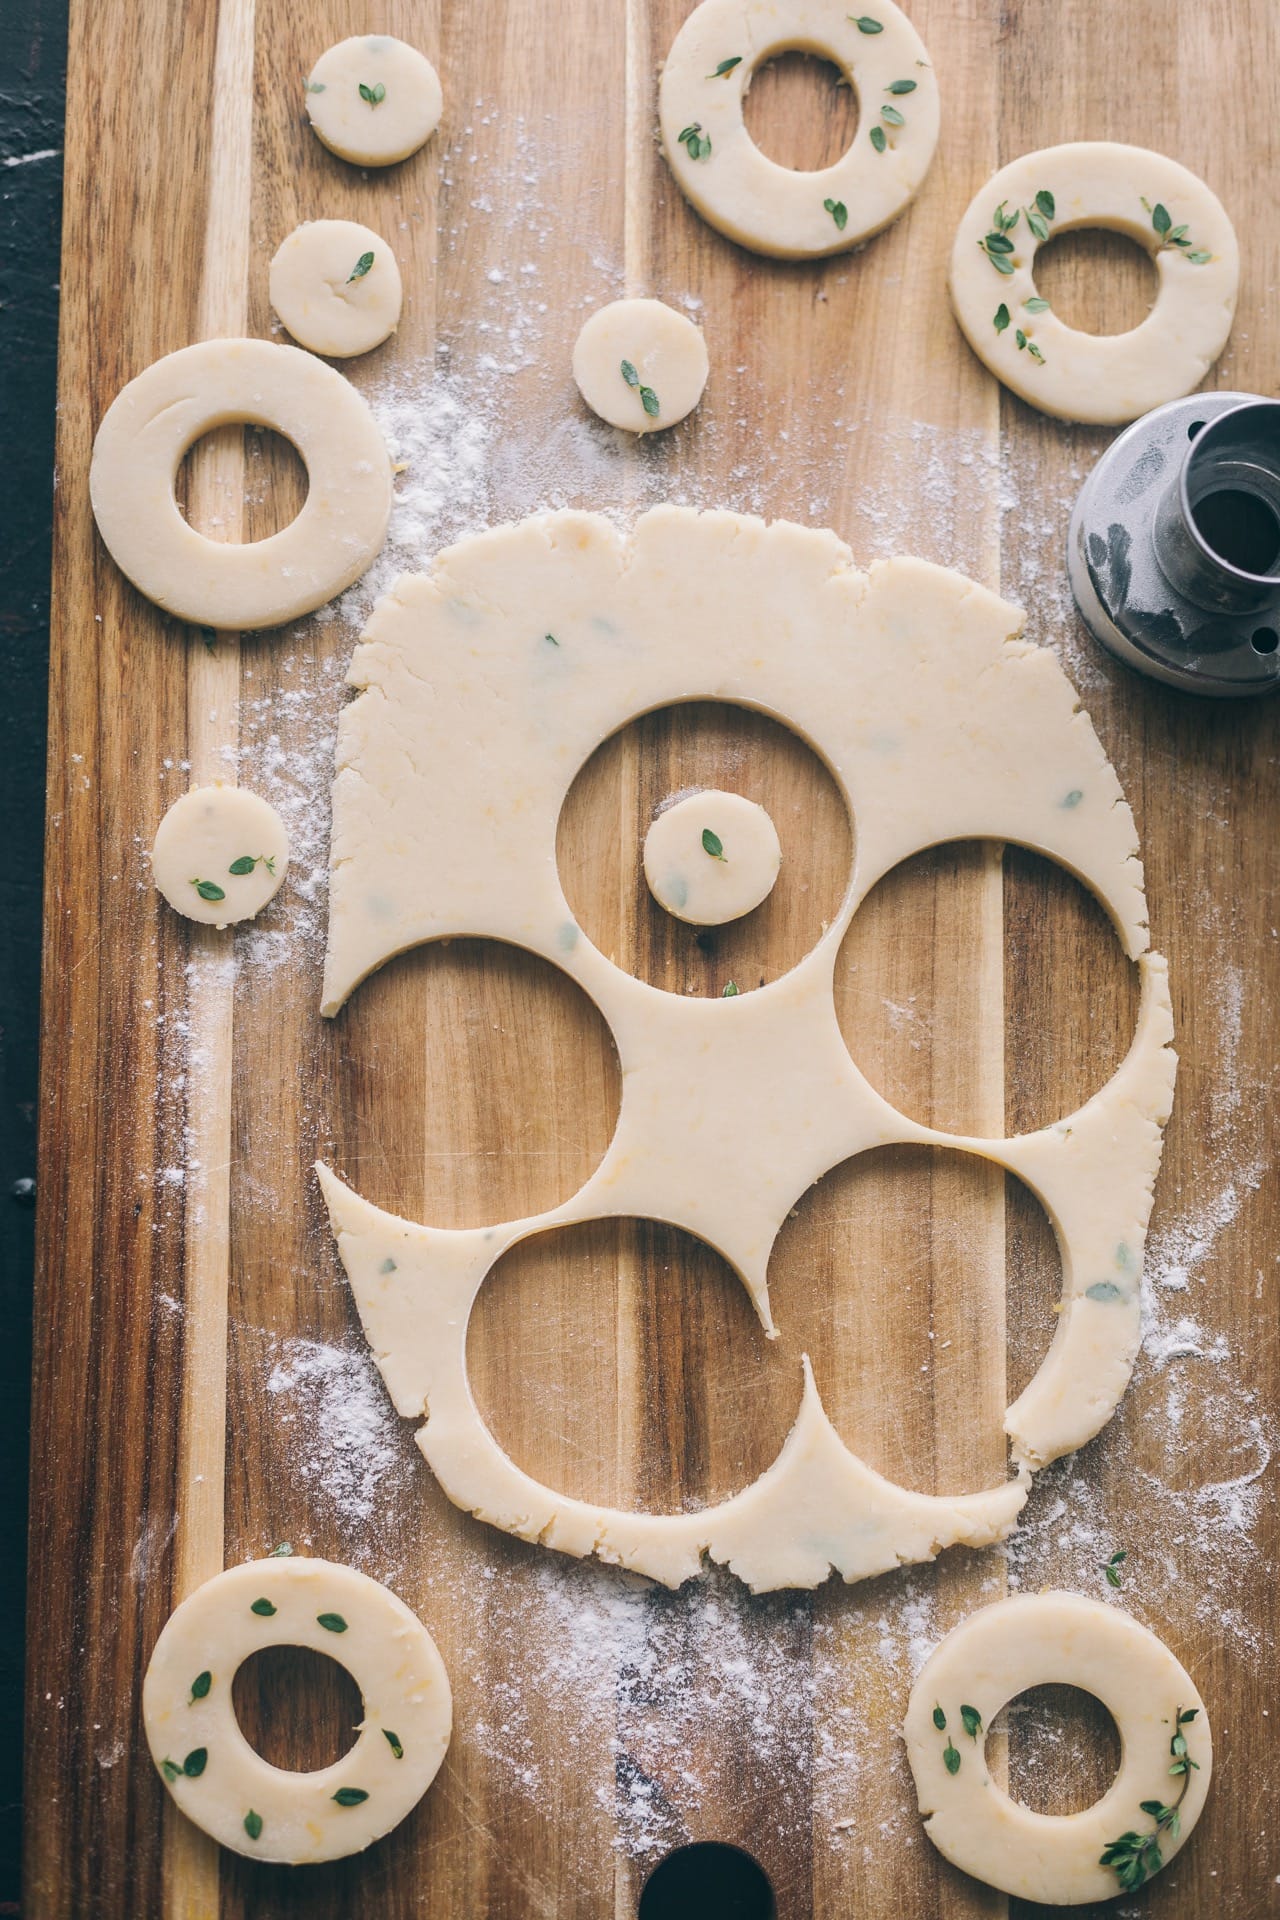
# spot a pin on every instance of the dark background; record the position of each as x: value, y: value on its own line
x: 33, y: 40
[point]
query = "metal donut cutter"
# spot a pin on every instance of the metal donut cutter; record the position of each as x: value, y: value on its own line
x: 1174, y: 546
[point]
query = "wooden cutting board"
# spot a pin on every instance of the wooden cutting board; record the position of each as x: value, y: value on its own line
x: 202, y: 1390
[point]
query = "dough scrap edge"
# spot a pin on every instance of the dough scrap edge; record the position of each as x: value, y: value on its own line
x: 816, y: 1510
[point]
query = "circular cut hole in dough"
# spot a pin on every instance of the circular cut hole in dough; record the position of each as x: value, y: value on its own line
x: 241, y: 476
x: 1097, y: 281
x: 705, y: 1399
x: 336, y: 287
x: 640, y: 365
x: 297, y: 1708
x: 1063, y: 1748
x: 498, y: 1096
x: 913, y: 989
x: 613, y: 803
x: 711, y: 857
x: 373, y: 100
x: 801, y: 111
x: 220, y: 854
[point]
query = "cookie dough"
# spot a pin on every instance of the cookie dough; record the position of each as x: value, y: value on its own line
x: 1100, y: 378
x: 336, y: 286
x: 217, y: 1778
x: 1032, y: 1640
x: 774, y: 209
x: 711, y: 857
x: 640, y: 365
x: 731, y: 1108
x: 220, y: 854
x: 373, y: 100
x: 154, y: 420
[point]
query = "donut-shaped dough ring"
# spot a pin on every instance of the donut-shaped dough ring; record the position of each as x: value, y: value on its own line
x: 154, y: 420
x: 1027, y: 1641
x: 1104, y: 379
x: 217, y: 1778
x: 735, y: 187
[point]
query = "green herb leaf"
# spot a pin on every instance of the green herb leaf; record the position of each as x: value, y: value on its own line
x: 387, y: 1266
x: 1199, y: 258
x: 350, y: 1796
x: 1111, y: 1568
x: 550, y: 637
x: 1035, y: 352
x: 245, y: 864
x: 695, y: 142
x: 951, y: 1757
x: 253, y: 1824
x: 171, y: 1770
x: 196, y: 1761
x: 201, y: 1685
x: 726, y: 66
x: 208, y: 889
x: 282, y: 1552
x: 1161, y: 219
x: 1038, y: 224
x: 1073, y: 798
x: 331, y: 1622
x: 972, y: 1721
x: 264, y: 1608
x: 1020, y: 337
x: 1005, y: 222
x: 1000, y: 264
x: 939, y: 1719
x: 731, y: 990
x: 629, y: 374
x: 1046, y: 203
x: 393, y: 1741
x: 864, y: 23
x: 714, y: 845
x: 839, y: 213
x: 1001, y: 320
x: 1103, y: 1290
x: 1036, y: 305
x: 373, y: 96
x: 1136, y: 1857
x: 892, y: 117
x: 1189, y: 1715
x: 360, y: 268
x: 313, y: 86
x: 998, y: 243
x: 209, y: 635
x: 878, y: 140
x: 902, y: 86
x: 650, y: 402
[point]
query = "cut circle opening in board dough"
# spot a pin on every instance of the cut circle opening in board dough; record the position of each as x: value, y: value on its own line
x: 730, y: 1107
x: 774, y: 209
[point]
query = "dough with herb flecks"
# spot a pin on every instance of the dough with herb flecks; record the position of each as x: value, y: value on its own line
x: 336, y: 286
x: 373, y: 100
x: 220, y: 854
x: 640, y: 365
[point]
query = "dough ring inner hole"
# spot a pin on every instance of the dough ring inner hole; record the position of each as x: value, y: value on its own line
x: 1097, y: 278
x: 802, y: 109
x: 244, y: 473
x: 1064, y: 1748
x: 298, y: 1709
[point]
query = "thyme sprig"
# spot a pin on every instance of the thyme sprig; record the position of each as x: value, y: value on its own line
x: 695, y: 142
x: 839, y: 213
x: 648, y: 400
x: 1111, y: 1568
x: 1175, y: 237
x: 997, y: 245
x: 1136, y: 1857
x: 373, y: 96
x: 248, y: 861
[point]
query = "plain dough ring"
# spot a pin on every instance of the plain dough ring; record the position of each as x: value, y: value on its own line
x: 640, y: 365
x: 154, y: 420
x: 774, y: 209
x: 217, y: 1778
x: 709, y: 881
x: 336, y: 286
x: 220, y: 854
x: 731, y: 1107
x: 373, y: 100
x: 1027, y: 1641
x: 1101, y: 378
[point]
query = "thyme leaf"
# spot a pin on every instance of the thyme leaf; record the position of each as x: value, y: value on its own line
x: 331, y: 1622
x: 208, y: 889
x: 360, y: 268
x: 726, y: 66
x: 878, y: 140
x: 629, y: 374
x: 902, y: 86
x: 939, y: 1719
x: 731, y: 990
x: 650, y: 402
x: 201, y: 1685
x: 393, y: 1741
x: 839, y: 213
x: 972, y: 1721
x: 695, y: 142
x: 253, y: 1824
x: 1001, y: 320
x: 350, y: 1796
x: 892, y: 117
x: 864, y: 23
x: 714, y: 845
x: 373, y: 96
x: 263, y: 1608
x: 196, y: 1761
x: 951, y: 1756
x: 282, y: 1552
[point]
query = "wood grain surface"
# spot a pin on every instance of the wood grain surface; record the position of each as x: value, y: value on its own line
x: 188, y: 1282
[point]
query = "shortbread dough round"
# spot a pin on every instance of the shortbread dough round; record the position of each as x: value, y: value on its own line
x: 374, y: 131
x: 202, y: 837
x: 663, y: 349
x: 217, y: 1778
x: 1101, y: 378
x: 711, y: 857
x: 336, y: 286
x: 1033, y: 1640
x: 774, y: 209
x: 154, y: 420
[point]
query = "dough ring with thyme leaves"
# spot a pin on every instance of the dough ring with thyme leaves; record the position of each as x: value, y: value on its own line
x: 153, y: 421
x: 1101, y: 378
x: 1166, y: 1750
x: 217, y: 1778
x: 484, y: 686
x: 774, y: 209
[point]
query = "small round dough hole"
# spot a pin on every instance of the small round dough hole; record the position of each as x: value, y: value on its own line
x: 711, y: 857
x: 373, y: 100
x: 220, y: 855
x: 640, y: 365
x: 336, y: 286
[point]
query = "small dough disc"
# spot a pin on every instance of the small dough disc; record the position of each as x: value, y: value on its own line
x: 663, y: 348
x: 774, y: 209
x: 203, y: 835
x: 336, y: 286
x: 374, y: 132
x: 217, y: 1778
x: 1101, y: 378
x: 260, y: 583
x: 1032, y: 1640
x: 711, y: 857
